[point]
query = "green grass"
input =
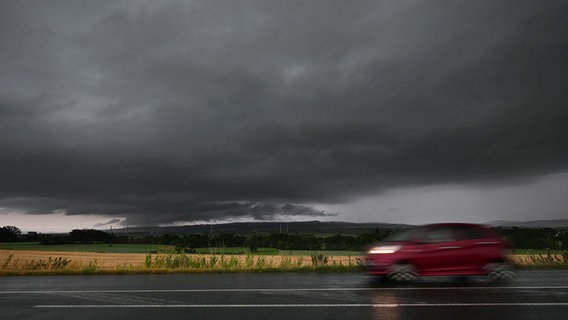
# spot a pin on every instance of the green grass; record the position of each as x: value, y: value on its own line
x: 236, y: 250
x: 324, y: 252
x: 249, y: 263
x: 535, y: 251
x: 102, y: 248
x: 274, y: 252
x: 148, y: 248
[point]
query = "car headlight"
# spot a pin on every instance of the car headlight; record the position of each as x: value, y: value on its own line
x: 383, y: 249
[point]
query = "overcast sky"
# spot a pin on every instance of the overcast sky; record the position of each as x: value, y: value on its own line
x: 132, y: 113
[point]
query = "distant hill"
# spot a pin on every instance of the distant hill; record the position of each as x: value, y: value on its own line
x: 562, y: 223
x: 313, y: 227
x: 268, y: 227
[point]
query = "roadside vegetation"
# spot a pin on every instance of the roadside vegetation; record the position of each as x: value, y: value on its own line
x: 28, y: 262
x: 42, y: 263
x: 98, y: 252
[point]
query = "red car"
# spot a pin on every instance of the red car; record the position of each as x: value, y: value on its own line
x: 440, y: 250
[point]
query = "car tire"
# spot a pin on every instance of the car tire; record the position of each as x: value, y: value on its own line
x: 500, y: 271
x: 402, y: 272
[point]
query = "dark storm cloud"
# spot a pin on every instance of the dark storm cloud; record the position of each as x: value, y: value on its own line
x: 205, y: 110
x: 108, y: 223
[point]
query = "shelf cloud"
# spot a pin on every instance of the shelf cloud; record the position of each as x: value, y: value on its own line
x: 157, y: 112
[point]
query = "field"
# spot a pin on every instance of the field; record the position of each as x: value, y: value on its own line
x: 26, y: 262
x: 164, y: 249
x: 274, y: 251
x: 101, y: 248
x: 25, y: 259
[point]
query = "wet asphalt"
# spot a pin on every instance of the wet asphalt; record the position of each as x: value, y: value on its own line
x: 534, y: 294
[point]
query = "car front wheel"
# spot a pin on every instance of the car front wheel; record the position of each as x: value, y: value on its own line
x: 500, y: 271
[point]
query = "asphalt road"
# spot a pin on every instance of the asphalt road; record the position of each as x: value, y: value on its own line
x: 533, y: 295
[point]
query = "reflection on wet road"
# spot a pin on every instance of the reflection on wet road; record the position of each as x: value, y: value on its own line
x: 534, y: 295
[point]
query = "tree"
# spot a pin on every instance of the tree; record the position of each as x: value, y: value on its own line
x: 10, y: 234
x: 89, y: 236
x: 253, y: 243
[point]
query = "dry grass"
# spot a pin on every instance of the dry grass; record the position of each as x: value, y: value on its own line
x: 14, y: 262
x: 539, y: 259
x: 21, y: 262
x: 104, y: 260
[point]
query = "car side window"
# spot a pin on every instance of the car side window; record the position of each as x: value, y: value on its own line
x: 468, y: 233
x: 439, y: 235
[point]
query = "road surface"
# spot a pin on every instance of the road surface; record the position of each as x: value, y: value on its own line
x: 533, y: 295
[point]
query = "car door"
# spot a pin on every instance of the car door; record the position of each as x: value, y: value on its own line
x: 482, y: 246
x: 465, y: 249
x: 441, y: 252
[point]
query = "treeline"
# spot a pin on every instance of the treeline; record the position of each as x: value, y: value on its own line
x: 520, y: 238
x: 81, y: 236
x: 10, y: 234
x: 14, y: 234
x: 536, y: 238
x: 187, y: 243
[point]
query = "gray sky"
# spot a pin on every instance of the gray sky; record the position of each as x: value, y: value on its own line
x: 161, y: 112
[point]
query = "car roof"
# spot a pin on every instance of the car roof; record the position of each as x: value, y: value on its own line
x: 453, y: 224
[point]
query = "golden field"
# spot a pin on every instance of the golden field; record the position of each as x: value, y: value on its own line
x: 13, y: 262
x: 35, y: 261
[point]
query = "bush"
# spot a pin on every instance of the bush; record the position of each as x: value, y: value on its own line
x: 319, y: 259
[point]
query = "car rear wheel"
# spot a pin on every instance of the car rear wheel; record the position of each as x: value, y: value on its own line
x: 500, y: 271
x: 402, y: 272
